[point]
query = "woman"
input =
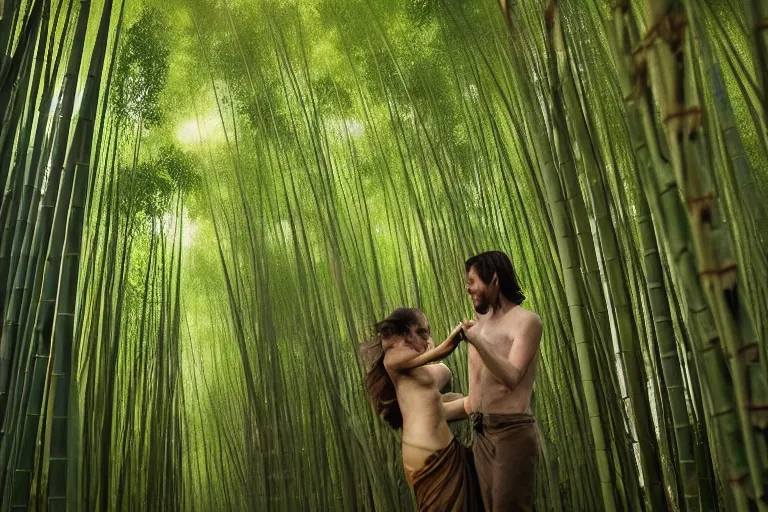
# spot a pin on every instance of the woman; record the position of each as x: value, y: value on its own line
x: 439, y: 469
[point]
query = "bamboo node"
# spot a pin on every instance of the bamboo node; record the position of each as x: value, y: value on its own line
x: 762, y: 25
x: 723, y: 412
x: 694, y: 113
x: 739, y: 479
x: 731, y: 278
x: 709, y: 272
x: 701, y: 208
x: 718, y: 271
x: 669, y: 28
x: 750, y: 353
x: 623, y: 5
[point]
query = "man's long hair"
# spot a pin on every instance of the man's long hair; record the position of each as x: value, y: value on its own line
x: 488, y: 263
x: 378, y: 383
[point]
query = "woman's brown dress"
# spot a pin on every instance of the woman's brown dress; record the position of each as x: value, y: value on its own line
x: 447, y: 481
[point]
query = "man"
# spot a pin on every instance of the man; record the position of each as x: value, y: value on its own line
x: 503, y: 353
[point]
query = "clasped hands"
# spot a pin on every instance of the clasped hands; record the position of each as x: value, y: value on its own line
x: 467, y: 330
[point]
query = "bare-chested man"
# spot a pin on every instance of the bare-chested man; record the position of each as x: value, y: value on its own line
x: 503, y: 353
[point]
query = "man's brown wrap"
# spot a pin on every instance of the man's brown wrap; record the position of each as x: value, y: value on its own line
x: 506, y: 452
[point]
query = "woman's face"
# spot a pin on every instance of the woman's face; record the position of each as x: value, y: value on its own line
x: 417, y: 338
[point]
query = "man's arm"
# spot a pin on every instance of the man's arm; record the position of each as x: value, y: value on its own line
x: 509, y: 370
x: 455, y: 409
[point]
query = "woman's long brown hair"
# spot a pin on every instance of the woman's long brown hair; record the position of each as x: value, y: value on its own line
x: 378, y: 384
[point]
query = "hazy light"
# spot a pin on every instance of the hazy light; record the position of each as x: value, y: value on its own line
x: 189, y: 233
x: 346, y: 127
x: 189, y: 228
x: 354, y: 127
x: 207, y: 130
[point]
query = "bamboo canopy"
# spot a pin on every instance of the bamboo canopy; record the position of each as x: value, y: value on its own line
x: 207, y: 204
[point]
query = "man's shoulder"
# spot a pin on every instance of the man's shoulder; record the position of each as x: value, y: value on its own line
x: 526, y: 318
x: 526, y: 324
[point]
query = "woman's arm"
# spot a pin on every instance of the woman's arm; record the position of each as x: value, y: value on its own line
x: 439, y: 352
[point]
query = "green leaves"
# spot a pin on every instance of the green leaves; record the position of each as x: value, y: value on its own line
x: 151, y: 187
x: 179, y: 167
x: 142, y: 68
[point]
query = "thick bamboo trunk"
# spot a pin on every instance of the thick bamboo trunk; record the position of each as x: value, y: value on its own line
x: 575, y: 293
x: 659, y: 302
x: 61, y: 447
x: 676, y: 234
x: 630, y: 354
x: 670, y: 69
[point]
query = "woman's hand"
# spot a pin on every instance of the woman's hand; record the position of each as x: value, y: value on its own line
x: 457, y: 334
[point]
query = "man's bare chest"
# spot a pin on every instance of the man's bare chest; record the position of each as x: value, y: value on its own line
x: 497, y: 339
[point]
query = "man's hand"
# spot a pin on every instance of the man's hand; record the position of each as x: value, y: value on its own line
x: 471, y: 331
x: 455, y: 409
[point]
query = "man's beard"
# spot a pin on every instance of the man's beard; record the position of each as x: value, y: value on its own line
x: 484, y: 306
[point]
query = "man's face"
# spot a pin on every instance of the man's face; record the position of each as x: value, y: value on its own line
x: 481, y: 293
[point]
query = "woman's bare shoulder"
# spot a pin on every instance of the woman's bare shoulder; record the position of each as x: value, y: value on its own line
x: 396, y: 356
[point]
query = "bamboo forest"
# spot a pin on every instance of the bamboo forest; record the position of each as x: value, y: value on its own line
x: 208, y: 204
